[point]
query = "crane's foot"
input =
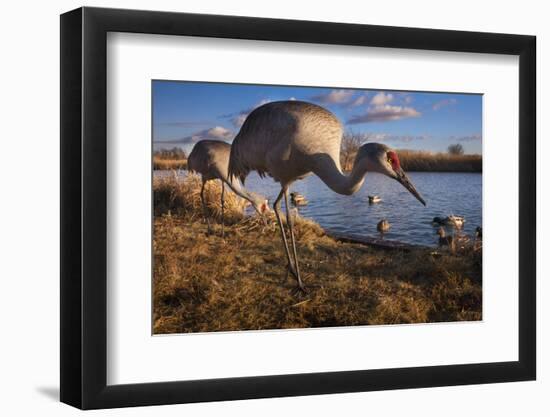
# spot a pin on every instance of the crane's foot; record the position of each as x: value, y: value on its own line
x: 300, y: 289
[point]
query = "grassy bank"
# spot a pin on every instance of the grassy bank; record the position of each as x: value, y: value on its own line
x: 204, y: 283
x: 411, y: 161
x: 420, y: 161
x: 439, y: 162
x: 163, y: 164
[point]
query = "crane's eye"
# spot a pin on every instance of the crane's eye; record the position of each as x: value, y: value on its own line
x: 393, y: 160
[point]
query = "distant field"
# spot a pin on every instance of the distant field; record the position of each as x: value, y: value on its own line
x: 410, y: 161
x: 439, y: 162
x: 162, y: 164
x: 421, y: 161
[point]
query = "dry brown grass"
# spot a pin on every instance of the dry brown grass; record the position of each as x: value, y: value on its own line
x: 164, y: 164
x: 203, y: 283
x: 439, y: 162
x: 419, y: 161
x: 175, y: 195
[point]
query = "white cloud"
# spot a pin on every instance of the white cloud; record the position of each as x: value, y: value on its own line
x: 214, y: 133
x: 386, y: 137
x: 359, y: 101
x: 384, y: 113
x: 184, y: 123
x: 238, y: 118
x: 381, y: 99
x: 467, y: 138
x: 444, y: 103
x: 334, y: 97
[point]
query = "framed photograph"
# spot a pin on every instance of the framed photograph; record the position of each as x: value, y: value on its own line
x: 256, y: 208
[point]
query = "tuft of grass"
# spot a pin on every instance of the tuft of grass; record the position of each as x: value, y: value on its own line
x: 203, y: 283
x: 181, y: 195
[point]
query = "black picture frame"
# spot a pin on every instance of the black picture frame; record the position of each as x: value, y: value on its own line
x: 84, y: 207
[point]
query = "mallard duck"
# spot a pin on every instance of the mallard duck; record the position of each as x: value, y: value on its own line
x: 452, y: 220
x: 479, y: 232
x: 298, y: 199
x: 374, y: 199
x: 383, y: 226
x: 456, y: 221
x: 445, y: 240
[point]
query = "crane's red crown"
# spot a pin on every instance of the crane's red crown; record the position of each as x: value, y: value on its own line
x: 393, y: 159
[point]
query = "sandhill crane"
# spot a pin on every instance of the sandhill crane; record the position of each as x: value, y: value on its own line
x: 210, y: 158
x: 289, y: 140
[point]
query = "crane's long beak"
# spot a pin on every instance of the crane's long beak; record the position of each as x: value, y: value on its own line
x: 406, y: 182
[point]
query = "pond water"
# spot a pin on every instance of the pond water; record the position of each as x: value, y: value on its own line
x: 411, y: 222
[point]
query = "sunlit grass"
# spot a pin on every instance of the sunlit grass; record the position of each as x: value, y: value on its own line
x: 439, y: 162
x: 165, y: 164
x: 205, y: 283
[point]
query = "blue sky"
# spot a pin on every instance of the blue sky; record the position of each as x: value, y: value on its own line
x: 185, y: 112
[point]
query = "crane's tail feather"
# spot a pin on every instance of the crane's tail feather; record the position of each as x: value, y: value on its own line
x: 237, y: 165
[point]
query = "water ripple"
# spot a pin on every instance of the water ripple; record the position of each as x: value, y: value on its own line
x: 445, y: 193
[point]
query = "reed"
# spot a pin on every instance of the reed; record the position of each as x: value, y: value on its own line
x: 421, y: 161
x: 167, y: 164
x: 181, y: 195
x: 439, y: 162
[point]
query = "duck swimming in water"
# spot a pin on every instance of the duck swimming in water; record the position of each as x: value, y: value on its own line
x: 479, y: 232
x: 383, y: 226
x: 374, y: 199
x: 452, y: 220
x: 298, y: 199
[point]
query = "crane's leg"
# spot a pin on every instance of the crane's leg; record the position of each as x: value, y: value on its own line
x: 204, y: 213
x: 223, y: 205
x: 293, y: 242
x: 277, y: 208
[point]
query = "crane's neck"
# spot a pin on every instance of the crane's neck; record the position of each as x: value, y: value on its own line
x: 241, y: 192
x: 331, y: 174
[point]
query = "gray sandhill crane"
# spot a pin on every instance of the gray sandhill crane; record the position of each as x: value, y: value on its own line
x: 290, y: 140
x: 210, y: 158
